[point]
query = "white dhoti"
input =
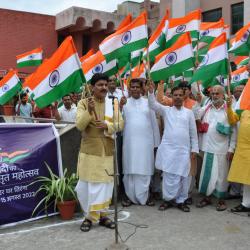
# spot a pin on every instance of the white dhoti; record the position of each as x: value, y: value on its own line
x: 214, y: 172
x: 94, y: 198
x: 246, y: 196
x: 175, y: 187
x: 137, y: 187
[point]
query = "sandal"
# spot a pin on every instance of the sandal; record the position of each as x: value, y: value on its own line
x: 86, y: 225
x: 221, y: 206
x: 126, y: 203
x: 106, y: 222
x: 165, y: 205
x: 204, y: 202
x: 240, y: 208
x: 183, y: 207
x: 150, y: 203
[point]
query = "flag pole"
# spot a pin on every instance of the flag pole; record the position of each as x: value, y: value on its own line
x: 196, y: 65
x: 120, y: 79
x: 148, y: 66
x: 89, y: 95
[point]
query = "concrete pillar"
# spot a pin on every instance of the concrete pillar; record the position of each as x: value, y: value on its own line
x: 246, y: 11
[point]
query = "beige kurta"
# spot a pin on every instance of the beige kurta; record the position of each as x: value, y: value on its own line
x: 96, y: 151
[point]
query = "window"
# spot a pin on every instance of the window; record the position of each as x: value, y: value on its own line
x: 212, y: 15
x: 237, y: 13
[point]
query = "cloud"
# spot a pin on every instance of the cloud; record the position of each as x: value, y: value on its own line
x: 53, y: 7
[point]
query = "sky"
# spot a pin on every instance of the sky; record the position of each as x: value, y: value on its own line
x: 53, y: 7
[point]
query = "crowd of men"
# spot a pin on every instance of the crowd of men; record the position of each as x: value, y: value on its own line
x: 166, y: 145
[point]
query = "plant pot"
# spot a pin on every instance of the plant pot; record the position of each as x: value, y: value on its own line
x: 7, y: 110
x: 66, y: 209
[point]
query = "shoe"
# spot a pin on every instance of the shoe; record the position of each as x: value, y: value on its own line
x: 189, y: 201
x: 240, y: 208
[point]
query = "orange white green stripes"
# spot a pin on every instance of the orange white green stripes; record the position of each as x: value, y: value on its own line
x: 9, y: 86
x: 130, y: 38
x: 30, y: 58
x: 239, y: 76
x: 59, y: 75
x: 240, y: 45
x: 139, y: 71
x: 157, y: 42
x: 210, y: 30
x: 174, y: 60
x: 215, y: 62
x: 98, y: 64
x: 189, y: 23
x: 244, y: 101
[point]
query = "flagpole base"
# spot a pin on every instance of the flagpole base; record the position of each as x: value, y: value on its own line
x: 117, y: 246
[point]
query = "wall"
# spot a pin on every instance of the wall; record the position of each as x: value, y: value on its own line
x: 23, y: 31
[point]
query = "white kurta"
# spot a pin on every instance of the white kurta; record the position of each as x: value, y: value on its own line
x: 140, y: 136
x: 179, y: 138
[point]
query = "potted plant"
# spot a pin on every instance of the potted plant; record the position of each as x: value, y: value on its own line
x: 60, y: 190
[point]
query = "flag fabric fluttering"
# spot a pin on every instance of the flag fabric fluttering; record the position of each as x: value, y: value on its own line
x: 244, y: 100
x: 139, y: 71
x: 59, y: 75
x: 157, y: 42
x: 174, y: 60
x: 90, y: 53
x: 214, y: 63
x: 130, y: 38
x: 239, y: 77
x: 98, y: 64
x: 241, y: 42
x: 30, y: 58
x: 10, y: 85
x: 189, y: 23
x: 210, y: 30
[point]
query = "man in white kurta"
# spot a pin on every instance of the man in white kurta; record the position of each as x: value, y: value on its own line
x: 179, y: 143
x: 218, y: 145
x: 140, y: 137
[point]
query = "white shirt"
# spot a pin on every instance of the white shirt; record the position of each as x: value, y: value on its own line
x: 212, y: 141
x: 179, y: 138
x: 68, y: 115
x: 117, y: 93
x: 140, y: 136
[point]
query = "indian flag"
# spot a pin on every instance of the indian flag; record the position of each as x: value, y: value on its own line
x: 98, y: 64
x: 126, y: 21
x: 243, y: 62
x: 157, y: 42
x: 189, y: 23
x: 241, y: 44
x: 59, y: 75
x: 239, y: 76
x: 244, y: 100
x: 136, y: 57
x: 90, y: 53
x: 30, y: 58
x: 210, y: 30
x: 10, y: 85
x: 174, y: 60
x: 130, y: 38
x: 139, y: 71
x: 215, y: 62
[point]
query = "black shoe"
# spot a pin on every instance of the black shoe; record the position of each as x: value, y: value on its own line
x: 240, y: 208
x: 188, y: 201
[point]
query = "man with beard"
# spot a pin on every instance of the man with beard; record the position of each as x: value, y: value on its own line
x: 23, y: 108
x: 95, y: 164
x: 218, y: 144
x: 141, y: 135
x: 179, y: 144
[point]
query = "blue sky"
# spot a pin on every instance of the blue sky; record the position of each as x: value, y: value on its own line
x: 54, y: 6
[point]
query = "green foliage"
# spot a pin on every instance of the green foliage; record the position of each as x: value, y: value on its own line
x: 55, y: 188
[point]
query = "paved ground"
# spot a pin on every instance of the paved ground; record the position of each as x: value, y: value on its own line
x: 204, y: 229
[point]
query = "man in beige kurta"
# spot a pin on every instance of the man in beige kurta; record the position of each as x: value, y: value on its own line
x: 95, y: 164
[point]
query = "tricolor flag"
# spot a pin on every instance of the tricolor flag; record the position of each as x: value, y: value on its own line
x: 59, y: 75
x: 243, y: 62
x: 136, y: 57
x: 239, y: 77
x: 210, y: 30
x: 90, y: 53
x: 174, y: 60
x: 215, y: 62
x: 30, y: 58
x: 9, y: 86
x: 98, y: 64
x: 157, y: 42
x: 139, y: 71
x: 241, y: 43
x: 189, y: 23
x: 130, y: 38
x: 126, y: 21
x: 244, y: 101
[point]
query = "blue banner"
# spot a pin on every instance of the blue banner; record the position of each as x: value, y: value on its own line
x: 23, y: 150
